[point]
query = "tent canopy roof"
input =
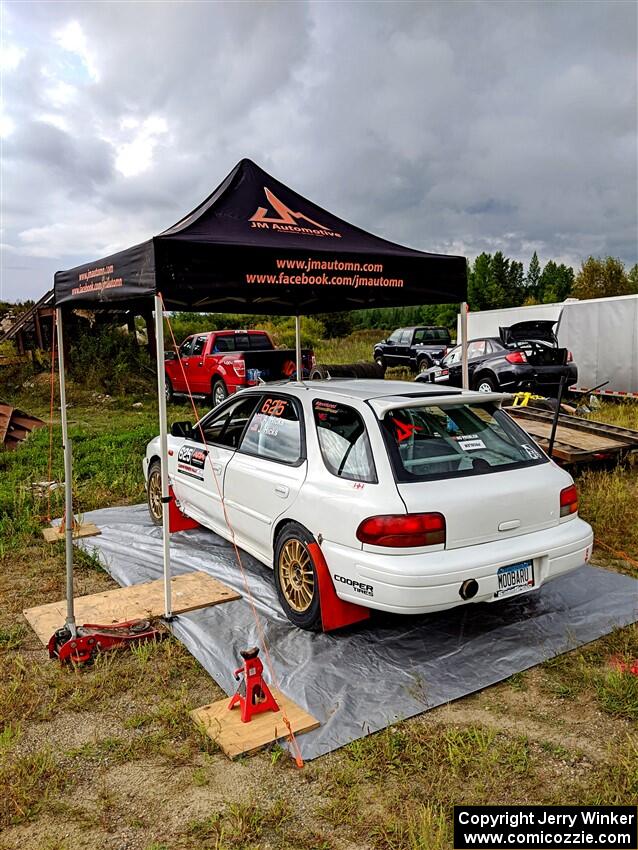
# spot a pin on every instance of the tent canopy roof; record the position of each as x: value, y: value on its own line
x: 256, y: 246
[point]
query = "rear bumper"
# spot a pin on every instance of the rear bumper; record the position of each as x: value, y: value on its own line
x: 523, y: 376
x: 417, y: 584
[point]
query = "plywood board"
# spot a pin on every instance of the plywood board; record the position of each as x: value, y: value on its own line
x: 237, y: 738
x: 138, y: 601
x: 86, y: 529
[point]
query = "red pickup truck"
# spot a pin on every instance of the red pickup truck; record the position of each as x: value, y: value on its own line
x: 218, y: 363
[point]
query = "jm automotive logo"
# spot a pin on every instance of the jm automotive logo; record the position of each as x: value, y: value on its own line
x: 287, y: 220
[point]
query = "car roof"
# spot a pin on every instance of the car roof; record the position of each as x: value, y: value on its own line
x: 358, y: 388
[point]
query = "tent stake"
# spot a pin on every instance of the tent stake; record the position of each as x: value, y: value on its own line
x: 161, y: 406
x: 68, y: 484
x: 464, y: 368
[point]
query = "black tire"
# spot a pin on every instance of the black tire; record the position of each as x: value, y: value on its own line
x: 154, y: 492
x: 169, y: 389
x: 218, y: 392
x: 380, y: 361
x: 422, y: 364
x: 486, y: 384
x: 319, y: 373
x: 296, y: 580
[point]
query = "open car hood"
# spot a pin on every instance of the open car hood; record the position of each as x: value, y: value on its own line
x: 541, y: 330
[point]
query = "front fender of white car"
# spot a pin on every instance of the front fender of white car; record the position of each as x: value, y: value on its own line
x: 152, y: 450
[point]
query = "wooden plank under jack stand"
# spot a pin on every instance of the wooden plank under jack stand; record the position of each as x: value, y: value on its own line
x: 80, y: 529
x: 236, y: 738
x: 136, y: 602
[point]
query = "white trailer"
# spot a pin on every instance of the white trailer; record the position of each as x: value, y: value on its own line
x: 601, y: 333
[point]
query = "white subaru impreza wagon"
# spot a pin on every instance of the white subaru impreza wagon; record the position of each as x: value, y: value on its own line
x: 420, y: 498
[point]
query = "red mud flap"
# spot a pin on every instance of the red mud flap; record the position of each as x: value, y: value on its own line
x: 177, y: 521
x: 335, y: 613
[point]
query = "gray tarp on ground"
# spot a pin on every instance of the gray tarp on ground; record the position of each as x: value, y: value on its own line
x: 360, y: 680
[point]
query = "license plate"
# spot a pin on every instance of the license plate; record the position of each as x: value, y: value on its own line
x: 515, y: 578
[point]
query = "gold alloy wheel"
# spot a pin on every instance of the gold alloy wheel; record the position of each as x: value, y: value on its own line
x: 155, y: 494
x: 296, y: 576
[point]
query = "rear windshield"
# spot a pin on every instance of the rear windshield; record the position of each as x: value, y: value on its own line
x: 260, y: 342
x: 460, y: 440
x: 431, y: 335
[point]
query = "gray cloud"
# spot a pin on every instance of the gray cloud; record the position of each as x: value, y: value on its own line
x: 463, y: 126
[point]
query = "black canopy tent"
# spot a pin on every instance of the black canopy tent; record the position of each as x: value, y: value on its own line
x: 253, y: 246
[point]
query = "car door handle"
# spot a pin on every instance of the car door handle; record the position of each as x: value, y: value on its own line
x: 201, y: 363
x: 282, y: 491
x: 217, y: 467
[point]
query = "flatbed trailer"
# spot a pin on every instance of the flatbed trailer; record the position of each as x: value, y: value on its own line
x: 577, y: 440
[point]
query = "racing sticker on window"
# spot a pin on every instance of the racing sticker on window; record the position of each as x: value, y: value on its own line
x: 470, y: 442
x: 404, y: 430
x: 191, y: 461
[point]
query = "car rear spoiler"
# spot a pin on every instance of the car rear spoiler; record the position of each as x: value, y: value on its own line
x: 382, y: 405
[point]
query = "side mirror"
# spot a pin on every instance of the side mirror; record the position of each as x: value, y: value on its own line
x: 182, y: 429
x: 389, y: 342
x: 170, y: 355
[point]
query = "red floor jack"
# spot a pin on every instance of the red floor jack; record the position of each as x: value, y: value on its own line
x: 253, y: 694
x: 92, y: 638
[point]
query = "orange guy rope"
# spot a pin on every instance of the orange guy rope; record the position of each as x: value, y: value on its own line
x: 293, y: 741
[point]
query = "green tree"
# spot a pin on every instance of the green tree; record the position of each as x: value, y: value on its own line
x: 532, y: 279
x: 555, y: 283
x: 515, y: 291
x: 479, y: 285
x: 599, y: 278
x: 633, y: 279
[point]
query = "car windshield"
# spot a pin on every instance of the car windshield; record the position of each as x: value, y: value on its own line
x: 458, y: 440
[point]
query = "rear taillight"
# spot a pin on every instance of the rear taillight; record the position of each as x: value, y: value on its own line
x: 516, y: 357
x: 568, y: 501
x: 403, y: 530
x: 239, y: 367
x: 570, y: 357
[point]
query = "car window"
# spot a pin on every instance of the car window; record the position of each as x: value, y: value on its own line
x: 343, y: 440
x: 198, y: 345
x: 225, y: 427
x: 185, y: 347
x: 395, y: 336
x: 452, y: 357
x: 260, y: 342
x: 242, y: 342
x: 432, y: 335
x: 406, y: 338
x: 476, y: 348
x: 274, y: 431
x: 461, y: 439
x: 224, y: 342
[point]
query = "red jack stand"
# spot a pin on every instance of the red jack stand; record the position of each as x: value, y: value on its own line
x: 253, y: 694
x: 92, y: 638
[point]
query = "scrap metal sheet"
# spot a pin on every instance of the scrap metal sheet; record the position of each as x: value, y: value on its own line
x: 362, y: 679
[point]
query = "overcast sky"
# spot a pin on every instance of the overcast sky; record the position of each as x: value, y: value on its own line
x: 455, y: 126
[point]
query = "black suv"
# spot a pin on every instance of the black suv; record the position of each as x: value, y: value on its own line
x: 417, y: 348
x: 524, y: 356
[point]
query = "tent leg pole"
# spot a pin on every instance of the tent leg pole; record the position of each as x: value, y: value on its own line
x: 298, y: 348
x: 68, y: 483
x: 464, y: 369
x: 161, y: 396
